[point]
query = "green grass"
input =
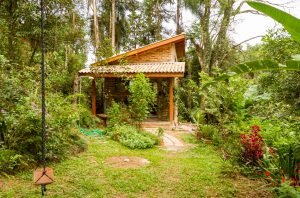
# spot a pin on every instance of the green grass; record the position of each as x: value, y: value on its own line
x: 192, y: 173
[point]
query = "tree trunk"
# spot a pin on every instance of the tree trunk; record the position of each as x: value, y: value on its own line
x: 11, y: 29
x: 76, y: 87
x: 66, y: 56
x: 74, y: 20
x: 179, y: 28
x: 96, y: 27
x: 218, y: 51
x: 112, y: 21
x: 32, y: 55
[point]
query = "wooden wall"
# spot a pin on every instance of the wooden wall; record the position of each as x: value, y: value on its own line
x: 160, y: 54
x: 115, y: 90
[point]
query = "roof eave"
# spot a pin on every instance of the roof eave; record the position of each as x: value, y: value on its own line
x: 119, y: 75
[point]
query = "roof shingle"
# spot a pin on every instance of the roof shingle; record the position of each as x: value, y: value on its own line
x: 157, y: 67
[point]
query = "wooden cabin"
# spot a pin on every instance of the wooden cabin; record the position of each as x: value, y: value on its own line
x: 159, y: 61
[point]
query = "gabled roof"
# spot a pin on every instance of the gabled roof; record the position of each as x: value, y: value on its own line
x: 174, y: 39
x: 157, y: 69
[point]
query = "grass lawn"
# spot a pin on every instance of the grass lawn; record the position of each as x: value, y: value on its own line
x: 196, y: 172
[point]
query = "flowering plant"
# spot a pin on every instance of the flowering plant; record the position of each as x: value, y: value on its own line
x: 253, y: 145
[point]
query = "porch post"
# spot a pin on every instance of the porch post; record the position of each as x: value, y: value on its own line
x: 94, y: 96
x: 175, y: 104
x: 171, y: 102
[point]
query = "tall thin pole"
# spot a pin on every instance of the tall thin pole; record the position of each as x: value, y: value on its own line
x: 43, y: 85
x: 43, y: 187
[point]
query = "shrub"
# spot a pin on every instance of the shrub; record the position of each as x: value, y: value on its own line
x: 210, y: 132
x: 22, y: 135
x: 253, y: 145
x: 10, y: 161
x: 287, y: 191
x: 133, y: 138
x: 117, y: 115
x: 160, y: 132
x: 141, y: 97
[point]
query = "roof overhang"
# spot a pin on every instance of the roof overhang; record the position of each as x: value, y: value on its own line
x: 151, y: 70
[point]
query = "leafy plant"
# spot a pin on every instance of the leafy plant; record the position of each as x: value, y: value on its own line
x: 289, y: 22
x: 10, y: 161
x: 253, y: 145
x: 141, y: 97
x: 188, y: 97
x: 118, y: 114
x: 287, y: 191
x: 132, y: 137
x: 207, y: 131
x: 23, y: 130
x: 224, y: 102
x: 160, y: 132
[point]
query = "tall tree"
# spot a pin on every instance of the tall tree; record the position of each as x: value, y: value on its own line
x: 113, y: 19
x: 112, y: 22
x: 95, y: 26
x: 209, y: 34
x: 154, y: 14
x: 178, y: 19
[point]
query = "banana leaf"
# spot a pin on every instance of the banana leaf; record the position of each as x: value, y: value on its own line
x: 288, y: 21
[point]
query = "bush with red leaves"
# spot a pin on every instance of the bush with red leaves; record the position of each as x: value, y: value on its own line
x: 253, y: 145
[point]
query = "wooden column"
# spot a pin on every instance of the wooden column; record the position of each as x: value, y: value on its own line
x: 171, y: 101
x: 175, y: 103
x: 94, y: 96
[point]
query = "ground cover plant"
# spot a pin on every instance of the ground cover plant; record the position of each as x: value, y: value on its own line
x: 133, y: 137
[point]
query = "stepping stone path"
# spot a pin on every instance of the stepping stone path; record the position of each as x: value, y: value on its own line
x: 170, y: 142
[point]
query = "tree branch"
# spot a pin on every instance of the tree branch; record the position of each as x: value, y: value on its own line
x: 247, y: 40
x: 251, y: 12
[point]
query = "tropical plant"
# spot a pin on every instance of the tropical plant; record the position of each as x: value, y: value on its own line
x: 290, y: 23
x: 253, y: 145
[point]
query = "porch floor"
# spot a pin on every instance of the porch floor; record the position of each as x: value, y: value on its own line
x: 156, y: 123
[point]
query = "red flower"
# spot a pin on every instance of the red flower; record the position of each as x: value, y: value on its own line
x: 268, y: 174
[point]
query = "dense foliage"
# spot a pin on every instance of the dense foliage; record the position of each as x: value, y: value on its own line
x: 268, y: 101
x: 20, y: 91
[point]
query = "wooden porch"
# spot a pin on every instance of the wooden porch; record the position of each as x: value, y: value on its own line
x: 166, y: 121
